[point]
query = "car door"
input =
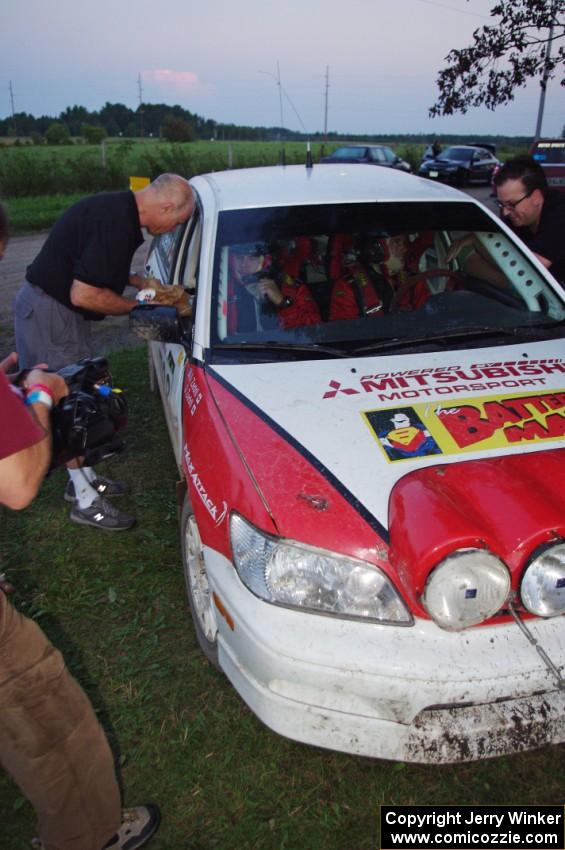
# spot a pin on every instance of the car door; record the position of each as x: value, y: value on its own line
x: 482, y: 166
x: 179, y: 265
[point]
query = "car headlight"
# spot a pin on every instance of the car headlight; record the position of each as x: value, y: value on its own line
x: 543, y: 585
x: 467, y: 587
x: 300, y: 576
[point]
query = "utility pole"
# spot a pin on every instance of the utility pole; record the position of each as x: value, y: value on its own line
x: 13, y: 109
x: 326, y: 108
x: 140, y: 92
x: 545, y: 75
x: 280, y: 93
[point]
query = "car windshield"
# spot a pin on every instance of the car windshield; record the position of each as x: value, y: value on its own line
x: 459, y: 154
x: 349, y: 153
x: 356, y: 277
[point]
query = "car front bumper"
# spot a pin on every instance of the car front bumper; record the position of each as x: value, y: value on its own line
x: 414, y: 694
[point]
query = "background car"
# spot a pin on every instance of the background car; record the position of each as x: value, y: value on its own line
x: 372, y: 465
x: 550, y: 153
x: 369, y: 154
x: 460, y: 164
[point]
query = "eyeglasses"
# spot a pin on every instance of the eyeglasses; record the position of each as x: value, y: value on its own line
x: 511, y: 205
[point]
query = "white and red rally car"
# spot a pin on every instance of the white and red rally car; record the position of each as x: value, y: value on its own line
x: 368, y: 411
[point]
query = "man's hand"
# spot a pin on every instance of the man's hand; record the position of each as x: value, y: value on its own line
x: 55, y: 383
x: 21, y: 473
x: 270, y: 290
x: 9, y: 362
x: 141, y: 282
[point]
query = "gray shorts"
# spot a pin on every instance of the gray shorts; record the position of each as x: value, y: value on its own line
x: 48, y: 332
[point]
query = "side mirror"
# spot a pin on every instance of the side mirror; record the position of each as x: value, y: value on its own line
x: 156, y: 322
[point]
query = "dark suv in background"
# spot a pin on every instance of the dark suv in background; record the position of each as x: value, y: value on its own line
x: 550, y: 153
x: 368, y: 154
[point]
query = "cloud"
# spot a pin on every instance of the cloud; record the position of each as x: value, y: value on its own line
x: 178, y: 81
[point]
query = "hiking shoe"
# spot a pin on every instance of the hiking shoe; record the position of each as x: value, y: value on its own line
x: 103, y: 486
x: 102, y: 514
x: 138, y: 825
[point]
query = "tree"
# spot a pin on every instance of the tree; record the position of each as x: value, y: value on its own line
x: 93, y: 135
x: 503, y: 56
x: 177, y: 130
x: 57, y: 134
x: 73, y: 117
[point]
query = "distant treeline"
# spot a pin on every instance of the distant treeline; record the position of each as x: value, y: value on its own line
x: 174, y: 123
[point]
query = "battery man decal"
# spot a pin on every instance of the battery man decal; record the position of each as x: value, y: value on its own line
x: 401, y: 433
x: 488, y: 422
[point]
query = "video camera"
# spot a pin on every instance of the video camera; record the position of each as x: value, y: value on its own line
x: 85, y: 423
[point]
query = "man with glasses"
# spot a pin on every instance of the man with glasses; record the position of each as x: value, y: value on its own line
x: 534, y: 212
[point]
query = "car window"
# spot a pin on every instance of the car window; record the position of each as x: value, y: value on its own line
x: 349, y: 153
x: 359, y: 274
x: 189, y: 266
x: 460, y: 154
x: 166, y: 247
x: 389, y: 155
x: 377, y: 155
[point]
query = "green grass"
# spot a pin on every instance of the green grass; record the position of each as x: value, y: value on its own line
x: 28, y: 215
x: 114, y: 604
x: 38, y: 183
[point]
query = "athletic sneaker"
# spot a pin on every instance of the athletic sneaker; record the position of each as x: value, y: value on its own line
x: 103, y: 486
x: 102, y: 514
x: 138, y: 826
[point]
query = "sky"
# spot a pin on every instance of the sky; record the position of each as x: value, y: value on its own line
x: 221, y: 59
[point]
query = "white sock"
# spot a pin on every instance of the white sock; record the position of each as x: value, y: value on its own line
x: 85, y: 493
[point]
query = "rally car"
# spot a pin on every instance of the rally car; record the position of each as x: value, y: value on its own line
x: 367, y: 411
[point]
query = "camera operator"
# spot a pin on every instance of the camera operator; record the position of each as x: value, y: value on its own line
x: 50, y: 740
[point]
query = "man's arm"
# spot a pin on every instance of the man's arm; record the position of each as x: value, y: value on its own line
x: 22, y: 472
x: 107, y: 301
x: 99, y: 300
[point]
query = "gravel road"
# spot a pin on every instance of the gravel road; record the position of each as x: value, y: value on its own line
x: 109, y: 334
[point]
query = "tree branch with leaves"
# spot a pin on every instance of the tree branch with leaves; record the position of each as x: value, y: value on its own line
x: 524, y: 43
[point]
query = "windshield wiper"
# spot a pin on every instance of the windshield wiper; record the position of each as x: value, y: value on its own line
x: 462, y: 333
x: 281, y: 346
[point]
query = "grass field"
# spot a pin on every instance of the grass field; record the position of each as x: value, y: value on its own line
x: 37, y: 183
x: 114, y: 604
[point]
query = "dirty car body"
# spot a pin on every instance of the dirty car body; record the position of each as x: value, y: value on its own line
x: 374, y: 515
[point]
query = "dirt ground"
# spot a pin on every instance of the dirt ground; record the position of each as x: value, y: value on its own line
x: 109, y: 334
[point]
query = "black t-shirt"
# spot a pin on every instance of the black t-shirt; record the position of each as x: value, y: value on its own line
x: 549, y: 239
x: 94, y: 242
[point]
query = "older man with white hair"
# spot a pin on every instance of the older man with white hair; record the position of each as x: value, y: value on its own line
x: 79, y: 276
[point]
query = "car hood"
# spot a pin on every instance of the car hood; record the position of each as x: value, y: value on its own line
x: 443, y: 162
x: 368, y: 422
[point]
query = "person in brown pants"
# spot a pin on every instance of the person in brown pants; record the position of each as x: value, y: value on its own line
x: 50, y: 740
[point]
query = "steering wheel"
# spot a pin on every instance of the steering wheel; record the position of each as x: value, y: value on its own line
x: 423, y: 277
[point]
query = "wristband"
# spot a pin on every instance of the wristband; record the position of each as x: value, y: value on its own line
x: 42, y: 387
x: 39, y: 397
